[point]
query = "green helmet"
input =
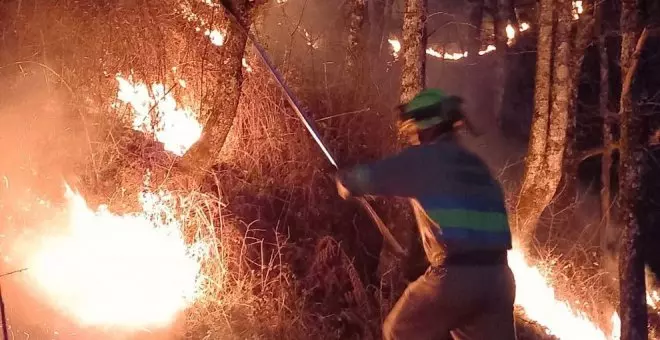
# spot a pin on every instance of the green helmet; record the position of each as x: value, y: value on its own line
x: 431, y: 107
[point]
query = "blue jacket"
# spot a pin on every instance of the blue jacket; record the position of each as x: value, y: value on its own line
x: 458, y: 204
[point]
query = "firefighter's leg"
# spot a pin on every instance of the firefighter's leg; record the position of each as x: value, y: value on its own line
x: 494, y: 319
x: 422, y: 312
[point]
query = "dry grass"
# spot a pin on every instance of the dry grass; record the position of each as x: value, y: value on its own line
x: 289, y: 259
x: 269, y: 208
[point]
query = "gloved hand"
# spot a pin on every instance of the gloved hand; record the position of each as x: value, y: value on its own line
x: 341, y: 189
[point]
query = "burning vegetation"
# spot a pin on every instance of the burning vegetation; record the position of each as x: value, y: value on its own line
x: 157, y: 182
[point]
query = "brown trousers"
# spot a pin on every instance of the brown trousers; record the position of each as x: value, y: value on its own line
x: 455, y: 302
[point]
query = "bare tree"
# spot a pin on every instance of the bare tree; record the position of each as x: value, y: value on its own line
x: 224, y: 102
x: 632, y: 286
x: 379, y: 13
x: 543, y: 165
x: 583, y: 38
x: 356, y: 11
x: 413, y: 72
x: 608, y: 138
x: 476, y: 16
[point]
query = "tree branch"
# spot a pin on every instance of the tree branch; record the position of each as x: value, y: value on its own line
x: 627, y: 84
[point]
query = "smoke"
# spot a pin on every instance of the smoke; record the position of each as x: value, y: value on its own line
x: 41, y: 142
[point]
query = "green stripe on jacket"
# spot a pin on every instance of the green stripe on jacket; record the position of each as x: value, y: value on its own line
x: 470, y: 219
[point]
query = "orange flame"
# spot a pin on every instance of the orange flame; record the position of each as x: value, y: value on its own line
x: 396, y: 46
x: 158, y: 113
x: 537, y: 298
x: 128, y: 271
x: 510, y: 33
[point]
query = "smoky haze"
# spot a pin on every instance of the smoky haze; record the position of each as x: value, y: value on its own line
x: 42, y: 142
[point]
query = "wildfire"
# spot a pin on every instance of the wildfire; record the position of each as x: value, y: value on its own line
x: 524, y: 26
x: 537, y: 298
x: 128, y: 271
x: 156, y: 112
x: 396, y: 46
x: 247, y: 66
x: 578, y: 9
x: 653, y: 298
x: 510, y: 33
x: 217, y: 38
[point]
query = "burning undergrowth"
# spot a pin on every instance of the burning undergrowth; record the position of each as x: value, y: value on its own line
x: 261, y: 248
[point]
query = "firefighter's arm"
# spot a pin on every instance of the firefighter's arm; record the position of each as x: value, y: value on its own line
x: 392, y: 176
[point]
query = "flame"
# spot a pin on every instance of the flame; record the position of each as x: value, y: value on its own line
x: 653, y: 299
x: 217, y: 38
x: 537, y: 298
x: 158, y: 113
x: 489, y: 48
x: 510, y: 33
x: 129, y: 271
x: 578, y: 9
x: 524, y: 26
x: 247, y: 66
x: 396, y: 46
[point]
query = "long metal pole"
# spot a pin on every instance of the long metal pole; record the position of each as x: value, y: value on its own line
x: 309, y: 125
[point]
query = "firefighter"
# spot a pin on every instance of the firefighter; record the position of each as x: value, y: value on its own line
x: 468, y: 290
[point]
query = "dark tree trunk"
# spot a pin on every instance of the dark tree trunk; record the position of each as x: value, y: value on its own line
x: 633, y: 312
x: 224, y: 102
x: 608, y: 138
x: 356, y: 12
x: 584, y: 36
x: 476, y: 15
x: 379, y: 15
x: 502, y: 15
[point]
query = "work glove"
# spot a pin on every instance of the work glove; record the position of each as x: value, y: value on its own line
x: 341, y: 189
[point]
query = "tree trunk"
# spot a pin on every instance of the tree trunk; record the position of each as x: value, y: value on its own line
x: 378, y: 18
x: 224, y: 102
x: 476, y: 16
x: 608, y: 138
x: 632, y: 286
x: 413, y: 72
x: 393, y: 270
x: 538, y: 185
x: 475, y: 12
x: 356, y: 12
x: 584, y: 36
x: 501, y: 16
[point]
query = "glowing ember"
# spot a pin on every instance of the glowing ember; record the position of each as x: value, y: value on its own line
x: 430, y: 51
x: 653, y: 298
x: 538, y: 300
x: 524, y: 26
x: 510, y: 33
x: 489, y: 48
x: 577, y: 9
x: 396, y: 46
x: 247, y: 66
x: 129, y: 271
x: 217, y: 38
x: 156, y: 112
x: 616, y: 326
